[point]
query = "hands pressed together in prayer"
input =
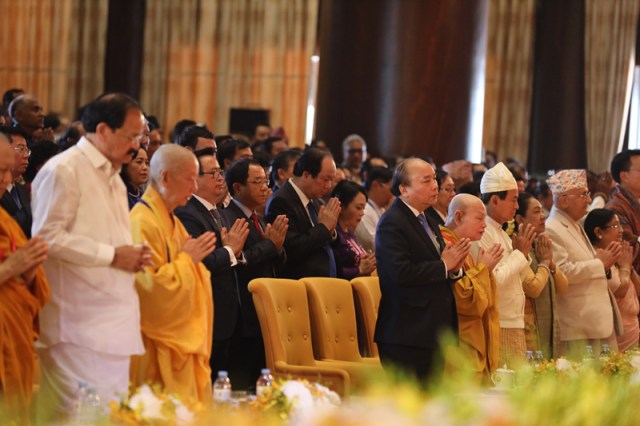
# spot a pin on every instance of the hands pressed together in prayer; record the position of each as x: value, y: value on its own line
x: 235, y: 236
x: 609, y: 255
x: 524, y: 238
x: 367, y: 264
x: 454, y: 255
x: 25, y: 261
x: 199, y: 248
x: 277, y: 231
x: 491, y: 256
x: 329, y: 213
x: 132, y: 258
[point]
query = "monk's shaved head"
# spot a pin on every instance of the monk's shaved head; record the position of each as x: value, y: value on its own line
x: 170, y: 158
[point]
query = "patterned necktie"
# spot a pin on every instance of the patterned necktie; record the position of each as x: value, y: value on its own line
x: 327, y: 247
x: 256, y: 224
x: 423, y: 221
x: 217, y: 218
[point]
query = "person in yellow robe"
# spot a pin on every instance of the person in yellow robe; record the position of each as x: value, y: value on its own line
x: 23, y: 292
x: 176, y: 302
x: 475, y: 293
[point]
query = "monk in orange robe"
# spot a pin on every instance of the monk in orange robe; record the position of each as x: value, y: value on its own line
x: 23, y: 292
x: 176, y: 302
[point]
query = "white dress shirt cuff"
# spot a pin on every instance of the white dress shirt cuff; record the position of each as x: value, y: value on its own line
x: 105, y: 255
x: 232, y: 256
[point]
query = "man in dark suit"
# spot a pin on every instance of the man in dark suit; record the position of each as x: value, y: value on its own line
x: 416, y: 273
x: 16, y: 200
x: 312, y: 227
x: 248, y: 185
x: 200, y: 215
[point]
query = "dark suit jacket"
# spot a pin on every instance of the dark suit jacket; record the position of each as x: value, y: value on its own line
x: 433, y: 216
x: 21, y: 215
x: 304, y: 243
x: 417, y: 300
x: 197, y: 220
x: 261, y: 256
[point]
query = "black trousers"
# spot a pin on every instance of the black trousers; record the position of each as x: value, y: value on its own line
x: 421, y: 363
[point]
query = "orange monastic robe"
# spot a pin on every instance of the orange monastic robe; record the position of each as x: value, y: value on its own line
x: 19, y: 308
x: 176, y: 306
x: 478, y: 318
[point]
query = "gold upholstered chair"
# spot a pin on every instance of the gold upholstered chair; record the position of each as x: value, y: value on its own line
x: 367, y: 298
x: 333, y: 326
x: 283, y: 312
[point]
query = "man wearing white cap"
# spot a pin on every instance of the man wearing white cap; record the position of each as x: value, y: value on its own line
x: 587, y: 311
x: 499, y: 192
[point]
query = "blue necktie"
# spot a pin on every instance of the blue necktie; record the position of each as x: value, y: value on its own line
x: 327, y: 248
x: 16, y: 197
x: 423, y: 221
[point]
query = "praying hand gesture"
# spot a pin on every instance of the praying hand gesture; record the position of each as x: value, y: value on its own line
x: 277, y: 231
x: 491, y: 256
x: 610, y: 255
x: 454, y: 255
x: 523, y: 239
x: 199, y: 248
x: 235, y: 236
x: 24, y: 261
x: 328, y: 214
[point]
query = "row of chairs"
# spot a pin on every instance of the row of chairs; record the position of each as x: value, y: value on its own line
x: 310, y: 328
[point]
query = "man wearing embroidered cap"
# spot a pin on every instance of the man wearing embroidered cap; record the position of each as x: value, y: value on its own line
x: 587, y: 311
x: 499, y: 192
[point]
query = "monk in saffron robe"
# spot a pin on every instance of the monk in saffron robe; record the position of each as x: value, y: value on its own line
x: 176, y: 302
x: 23, y: 292
x: 475, y: 292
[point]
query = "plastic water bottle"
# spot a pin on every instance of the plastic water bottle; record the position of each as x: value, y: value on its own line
x: 87, y: 407
x: 264, y: 382
x: 539, y: 358
x: 222, y: 388
x: 589, y: 357
x: 529, y: 356
x: 605, y: 353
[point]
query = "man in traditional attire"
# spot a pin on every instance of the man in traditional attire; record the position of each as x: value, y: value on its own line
x: 176, y: 303
x: 588, y: 310
x: 475, y: 293
x: 500, y: 195
x: 23, y: 292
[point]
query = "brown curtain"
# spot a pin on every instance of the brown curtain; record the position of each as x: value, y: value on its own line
x: 54, y: 49
x: 202, y: 58
x: 610, y: 37
x: 509, y: 78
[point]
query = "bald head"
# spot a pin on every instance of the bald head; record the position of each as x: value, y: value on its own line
x: 174, y: 173
x: 27, y: 111
x: 169, y: 158
x: 7, y: 160
x: 467, y: 216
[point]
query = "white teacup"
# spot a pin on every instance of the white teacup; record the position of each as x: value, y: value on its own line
x: 503, y: 379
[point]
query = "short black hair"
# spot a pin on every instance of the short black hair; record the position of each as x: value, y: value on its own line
x: 283, y: 161
x: 597, y: 218
x: 238, y: 172
x: 472, y: 188
x: 441, y: 176
x: 109, y: 108
x: 9, y: 131
x: 621, y: 162
x: 542, y: 189
x: 227, y: 149
x: 257, y: 124
x: 346, y: 191
x: 378, y: 174
x: 9, y: 96
x: 201, y: 153
x: 180, y: 127
x: 267, y: 145
x: 154, y: 124
x: 189, y: 137
x: 41, y: 152
x: 311, y: 162
x: 487, y: 197
x: 524, y: 198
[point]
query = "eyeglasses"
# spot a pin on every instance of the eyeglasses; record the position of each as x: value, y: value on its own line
x: 448, y: 189
x: 585, y: 195
x: 214, y: 172
x: 259, y: 182
x: 355, y: 151
x: 614, y: 226
x: 23, y: 150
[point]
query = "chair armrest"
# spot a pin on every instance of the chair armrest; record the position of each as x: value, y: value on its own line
x: 334, y: 378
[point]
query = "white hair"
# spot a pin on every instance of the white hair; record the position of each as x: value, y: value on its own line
x: 169, y: 157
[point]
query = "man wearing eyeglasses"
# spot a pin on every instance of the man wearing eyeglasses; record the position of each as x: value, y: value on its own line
x: 16, y: 200
x: 587, y: 311
x: 625, y: 198
x: 263, y: 251
x: 201, y: 215
x: 91, y: 326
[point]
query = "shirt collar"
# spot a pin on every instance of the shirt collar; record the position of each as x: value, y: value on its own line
x: 305, y: 200
x: 244, y: 208
x: 96, y: 158
x: 204, y: 202
x: 416, y: 212
x: 490, y: 221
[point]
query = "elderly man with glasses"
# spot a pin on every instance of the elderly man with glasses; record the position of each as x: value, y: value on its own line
x: 16, y: 200
x: 587, y: 310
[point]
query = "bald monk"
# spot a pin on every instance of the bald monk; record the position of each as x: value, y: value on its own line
x: 475, y: 293
x: 176, y: 302
x: 23, y: 292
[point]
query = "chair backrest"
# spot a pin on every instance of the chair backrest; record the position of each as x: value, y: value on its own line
x: 333, y: 319
x: 282, y: 309
x: 367, y: 290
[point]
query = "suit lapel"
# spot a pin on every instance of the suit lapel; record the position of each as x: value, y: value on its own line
x: 301, y: 210
x: 417, y: 226
x: 204, y: 214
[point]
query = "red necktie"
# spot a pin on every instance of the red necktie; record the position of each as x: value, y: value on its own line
x: 256, y: 223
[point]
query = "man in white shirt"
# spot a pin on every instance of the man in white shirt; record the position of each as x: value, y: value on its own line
x: 500, y: 195
x: 91, y: 326
x: 378, y: 187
